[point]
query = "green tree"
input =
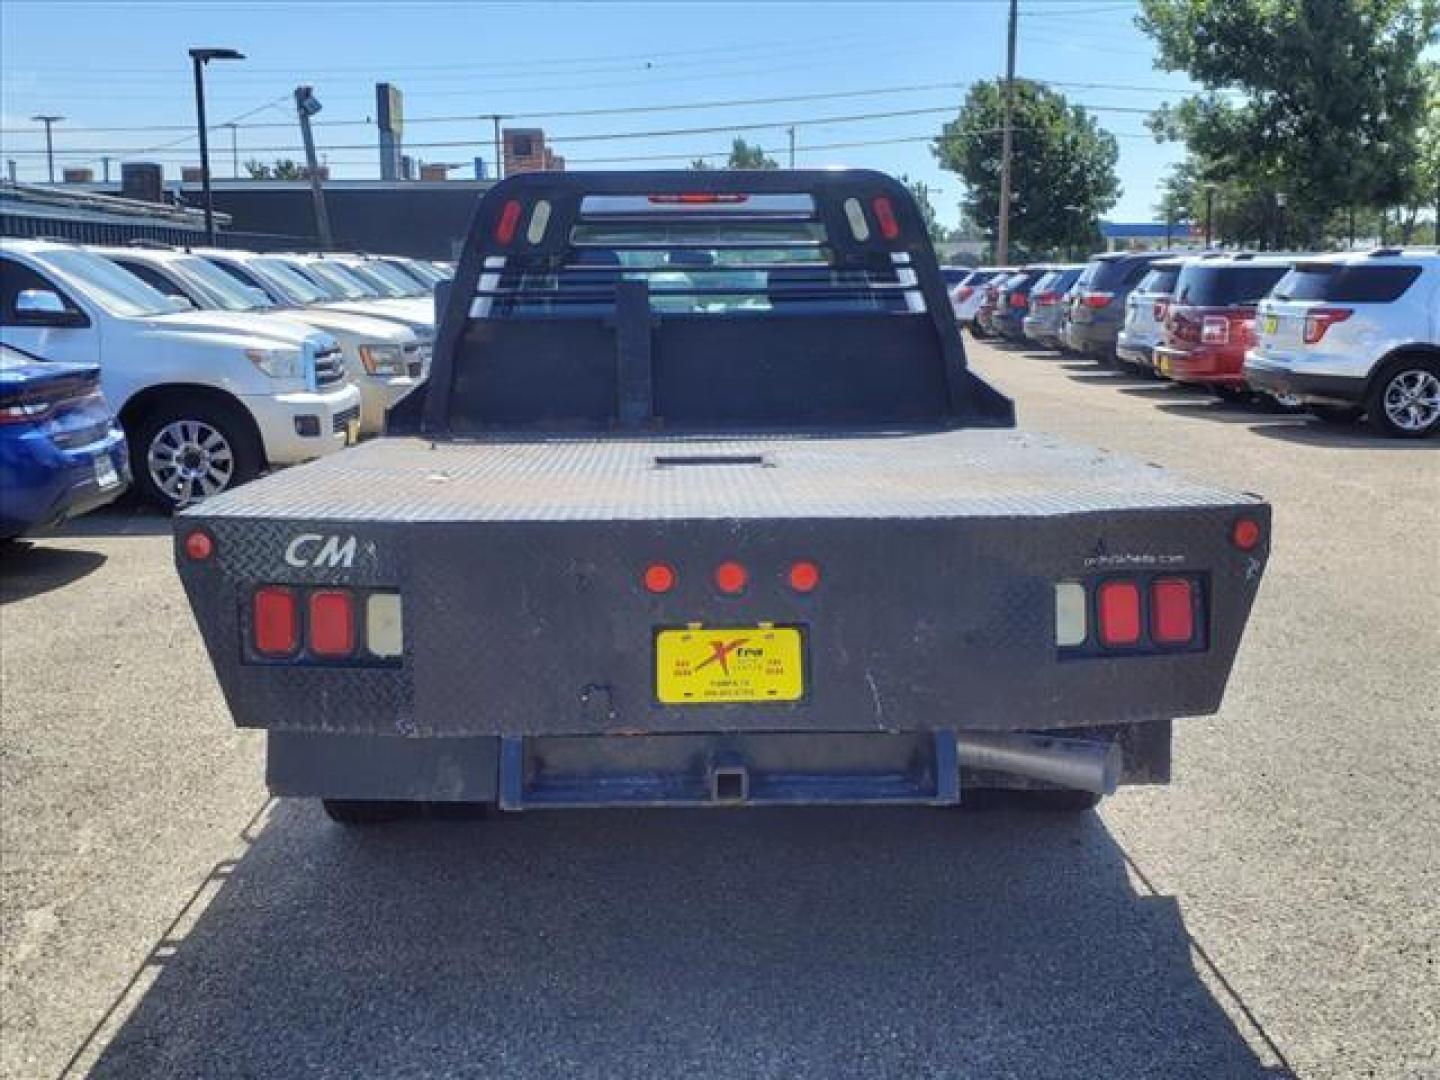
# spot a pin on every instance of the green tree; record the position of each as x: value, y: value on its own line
x: 921, y: 191
x: 1063, y: 170
x: 1320, y: 100
x: 745, y: 156
x: 282, y: 169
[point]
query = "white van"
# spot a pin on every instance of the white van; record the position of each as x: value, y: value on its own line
x: 207, y: 399
x: 384, y: 359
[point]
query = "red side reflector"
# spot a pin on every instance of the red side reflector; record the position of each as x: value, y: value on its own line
x: 699, y: 198
x: 1119, y: 613
x: 509, y: 219
x: 199, y: 545
x: 885, y: 215
x: 1246, y: 534
x: 731, y: 577
x: 276, y: 621
x: 332, y: 623
x: 804, y: 576
x: 659, y: 578
x: 1172, y: 611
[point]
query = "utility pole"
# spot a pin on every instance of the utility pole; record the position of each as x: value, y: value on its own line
x: 49, y: 121
x: 499, y: 153
x: 1007, y: 145
x: 792, y: 148
x: 234, y: 153
x: 306, y: 106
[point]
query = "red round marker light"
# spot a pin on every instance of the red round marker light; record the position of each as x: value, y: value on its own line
x: 199, y: 545
x: 659, y: 578
x: 804, y: 576
x: 1246, y: 534
x: 731, y: 577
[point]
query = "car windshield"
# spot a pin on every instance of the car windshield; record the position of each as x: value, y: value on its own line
x: 338, y: 282
x: 1339, y: 283
x: 1160, y: 280
x: 218, y: 287
x: 115, y: 289
x: 283, y: 278
x: 1211, y: 285
x: 425, y: 274
x: 394, y: 281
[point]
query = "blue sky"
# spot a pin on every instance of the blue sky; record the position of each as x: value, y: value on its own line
x: 114, y: 65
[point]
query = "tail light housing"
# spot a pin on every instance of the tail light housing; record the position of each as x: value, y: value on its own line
x: 1319, y: 320
x: 332, y: 623
x: 1046, y: 299
x: 325, y: 625
x: 275, y: 620
x: 885, y: 217
x: 1018, y: 300
x: 1096, y: 300
x: 1159, y: 309
x: 505, y: 225
x: 1118, y: 608
x: 1131, y: 615
x: 964, y: 293
x: 1215, y: 330
x: 1172, y: 611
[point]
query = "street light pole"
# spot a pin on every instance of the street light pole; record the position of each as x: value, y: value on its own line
x: 199, y: 58
x: 1007, y: 142
x: 49, y: 121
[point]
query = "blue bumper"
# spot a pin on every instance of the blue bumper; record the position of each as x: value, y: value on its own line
x: 44, y: 482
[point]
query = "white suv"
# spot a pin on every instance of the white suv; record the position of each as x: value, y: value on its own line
x: 207, y: 398
x: 1356, y: 333
x: 384, y: 359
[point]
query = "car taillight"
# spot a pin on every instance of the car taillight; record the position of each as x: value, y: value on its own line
x: 332, y: 623
x: 1320, y: 320
x: 1096, y: 299
x: 1172, y: 611
x: 509, y: 219
x: 1119, y: 611
x: 1215, y: 330
x: 1018, y: 300
x: 1046, y: 299
x: 964, y: 293
x: 885, y: 217
x: 1159, y: 310
x: 276, y: 620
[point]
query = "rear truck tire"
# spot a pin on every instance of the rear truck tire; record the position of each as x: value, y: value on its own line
x: 1404, y: 399
x: 1336, y: 414
x: 183, y: 452
x: 355, y: 813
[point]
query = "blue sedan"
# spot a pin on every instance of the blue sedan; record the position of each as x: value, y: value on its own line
x: 61, y: 451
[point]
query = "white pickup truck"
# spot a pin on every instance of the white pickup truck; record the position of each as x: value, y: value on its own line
x: 208, y: 399
x: 385, y: 360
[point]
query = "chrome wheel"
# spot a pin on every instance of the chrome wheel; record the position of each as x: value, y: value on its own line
x: 190, y: 460
x: 1412, y: 400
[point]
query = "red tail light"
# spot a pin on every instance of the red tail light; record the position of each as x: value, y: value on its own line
x: 199, y: 545
x: 659, y: 578
x: 1172, y: 611
x: 804, y: 576
x: 731, y: 578
x: 1018, y: 300
x: 1159, y: 310
x: 1246, y: 534
x: 332, y: 623
x: 1119, y: 609
x: 1096, y: 299
x: 698, y: 198
x: 1045, y: 299
x: 509, y: 219
x: 885, y: 215
x: 964, y: 293
x: 1321, y: 319
x: 276, y: 621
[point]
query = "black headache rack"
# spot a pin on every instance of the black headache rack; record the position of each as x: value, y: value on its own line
x: 698, y: 301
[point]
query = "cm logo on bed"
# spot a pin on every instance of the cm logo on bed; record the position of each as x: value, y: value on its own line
x: 324, y: 552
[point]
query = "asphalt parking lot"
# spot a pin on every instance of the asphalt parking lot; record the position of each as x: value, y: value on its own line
x: 1271, y: 913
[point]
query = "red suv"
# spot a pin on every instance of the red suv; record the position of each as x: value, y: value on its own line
x: 1210, y: 322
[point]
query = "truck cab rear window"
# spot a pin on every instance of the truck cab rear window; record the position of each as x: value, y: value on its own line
x: 1338, y: 283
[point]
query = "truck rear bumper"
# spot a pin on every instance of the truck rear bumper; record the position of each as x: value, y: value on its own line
x: 774, y: 768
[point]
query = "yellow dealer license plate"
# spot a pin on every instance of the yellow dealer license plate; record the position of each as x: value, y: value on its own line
x: 723, y: 664
x: 1272, y: 323
x: 352, y: 432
